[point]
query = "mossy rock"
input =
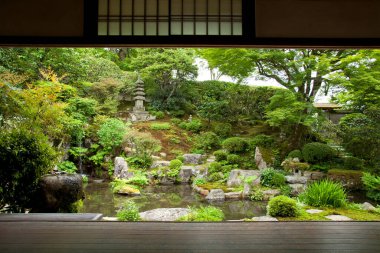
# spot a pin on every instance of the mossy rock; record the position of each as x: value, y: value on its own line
x: 128, y: 190
x: 350, y: 179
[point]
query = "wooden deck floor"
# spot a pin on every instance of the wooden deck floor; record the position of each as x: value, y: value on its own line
x: 56, y: 237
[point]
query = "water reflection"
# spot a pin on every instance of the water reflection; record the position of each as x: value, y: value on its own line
x: 100, y: 199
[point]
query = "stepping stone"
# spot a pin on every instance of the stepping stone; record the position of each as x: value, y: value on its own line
x: 109, y: 219
x: 264, y: 218
x: 338, y: 218
x: 314, y: 211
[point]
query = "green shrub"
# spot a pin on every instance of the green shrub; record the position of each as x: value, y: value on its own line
x: 235, y: 145
x: 256, y: 194
x: 175, y: 164
x: 223, y: 129
x: 194, y: 126
x: 139, y: 179
x: 353, y: 163
x: 199, y: 181
x: 160, y: 126
x: 111, y: 133
x: 208, y: 213
x: 136, y: 162
x: 319, y: 167
x: 290, y: 165
x: 68, y: 167
x: 207, y: 141
x: 271, y: 178
x: 317, y: 152
x: 159, y: 114
x: 215, y: 177
x: 261, y: 140
x: 129, y: 212
x: 233, y: 159
x: 372, y: 185
x: 214, y: 167
x: 220, y: 155
x: 175, y: 121
x: 295, y: 154
x: 324, y: 193
x: 84, y: 179
x: 181, y: 158
x: 282, y: 206
x: 24, y: 158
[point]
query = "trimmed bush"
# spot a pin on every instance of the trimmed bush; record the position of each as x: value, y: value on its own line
x: 214, y: 167
x: 235, y: 145
x: 324, y: 193
x: 317, y: 152
x: 215, y: 177
x: 262, y: 140
x: 129, y: 212
x: 207, y: 141
x: 223, y: 129
x: 353, y: 163
x: 220, y: 155
x: 282, y: 206
x: 271, y: 178
x: 233, y: 159
x: 295, y: 154
x: 194, y: 126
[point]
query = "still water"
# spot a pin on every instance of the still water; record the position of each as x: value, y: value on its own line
x: 100, y: 199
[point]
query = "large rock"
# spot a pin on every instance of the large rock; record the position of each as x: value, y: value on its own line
x: 216, y: 195
x: 233, y: 195
x: 297, y: 189
x: 185, y: 174
x: 237, y: 177
x: 193, y: 159
x: 315, y: 175
x: 164, y: 214
x: 296, y: 179
x: 264, y: 218
x: 200, y: 190
x: 157, y: 164
x: 260, y: 162
x: 57, y: 193
x: 268, y: 194
x: 121, y: 169
x: 368, y: 206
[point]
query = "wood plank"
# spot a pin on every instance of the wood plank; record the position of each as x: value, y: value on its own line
x: 189, y: 237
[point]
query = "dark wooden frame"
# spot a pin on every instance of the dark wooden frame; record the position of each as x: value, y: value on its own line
x: 248, y: 39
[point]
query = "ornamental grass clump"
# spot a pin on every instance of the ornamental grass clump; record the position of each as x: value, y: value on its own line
x: 324, y: 193
x: 282, y: 206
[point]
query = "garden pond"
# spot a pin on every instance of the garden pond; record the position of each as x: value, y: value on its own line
x: 100, y: 199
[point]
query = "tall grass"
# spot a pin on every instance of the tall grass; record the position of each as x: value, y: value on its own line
x: 324, y: 193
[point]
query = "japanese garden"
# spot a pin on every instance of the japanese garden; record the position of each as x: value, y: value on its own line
x: 135, y: 135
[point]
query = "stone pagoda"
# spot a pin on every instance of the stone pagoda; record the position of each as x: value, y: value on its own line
x: 138, y: 113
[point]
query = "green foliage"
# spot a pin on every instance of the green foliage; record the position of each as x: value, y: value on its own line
x: 220, y: 155
x: 129, y: 212
x: 223, y: 129
x: 324, y: 193
x: 295, y: 154
x: 138, y: 179
x: 175, y: 164
x: 175, y: 121
x: 361, y: 135
x: 68, y: 167
x: 144, y: 144
x: 139, y: 162
x: 81, y: 108
x: 25, y: 157
x: 160, y: 126
x: 159, y: 114
x: 194, y: 126
x: 199, y: 181
x: 214, y: 167
x: 271, y: 178
x: 353, y: 163
x: 207, y: 141
x: 234, y: 159
x: 372, y: 185
x: 84, y: 179
x: 208, y: 213
x: 119, y: 184
x: 256, y: 194
x: 235, y: 145
x: 111, y: 133
x: 282, y: 206
x: 215, y: 177
x: 249, y: 180
x: 292, y: 166
x: 317, y: 152
x: 262, y: 140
